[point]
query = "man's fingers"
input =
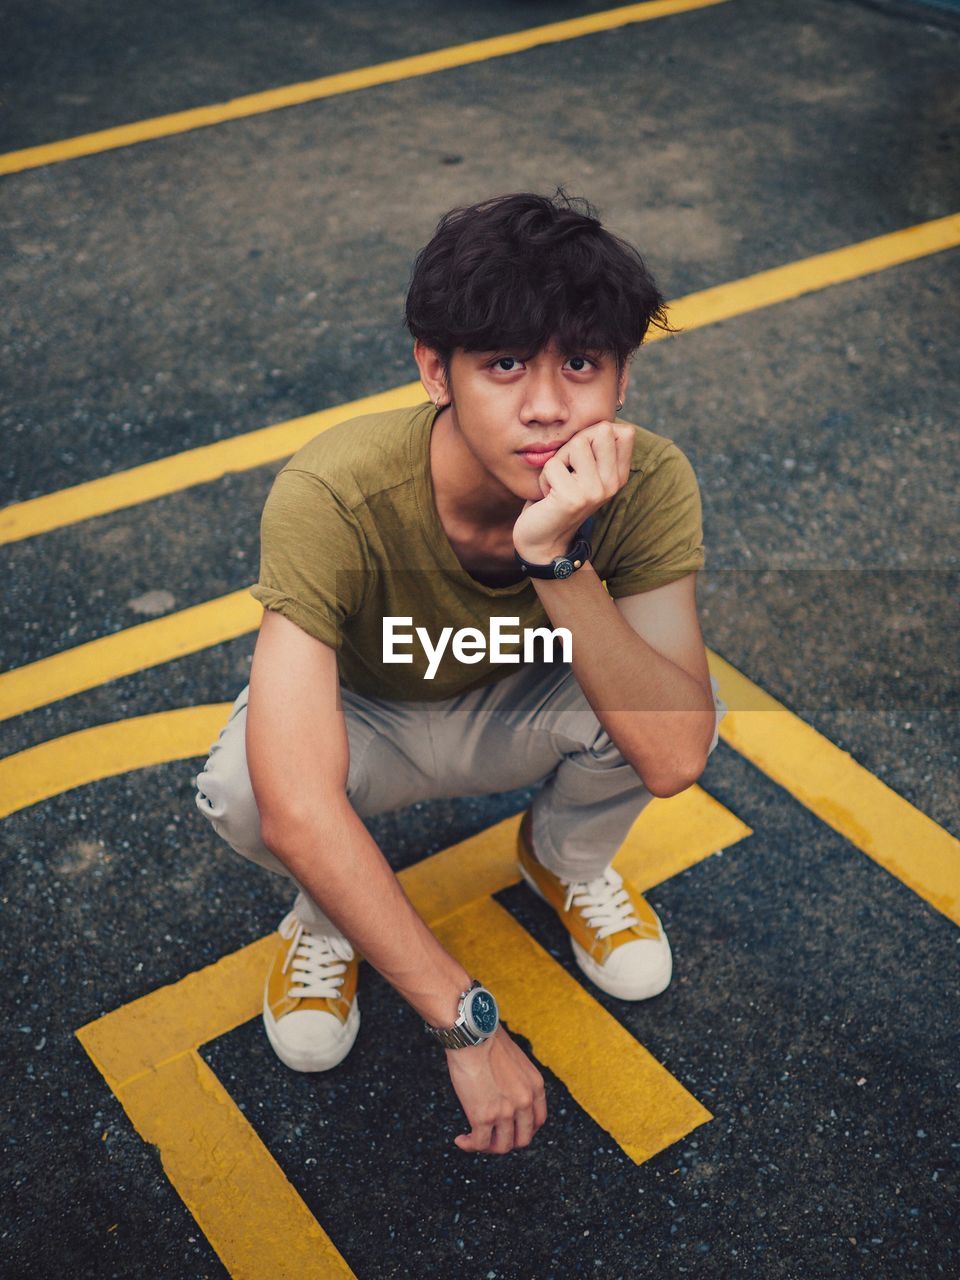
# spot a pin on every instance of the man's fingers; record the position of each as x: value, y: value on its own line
x: 503, y: 1140
x: 626, y: 438
x: 540, y: 1107
x: 558, y: 477
x: 605, y: 450
x: 524, y: 1126
x: 478, y: 1139
x: 584, y: 481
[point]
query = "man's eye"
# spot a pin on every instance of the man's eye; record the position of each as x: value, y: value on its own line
x: 506, y: 364
x: 580, y: 363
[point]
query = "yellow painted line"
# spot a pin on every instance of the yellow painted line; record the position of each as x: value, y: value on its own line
x: 269, y: 444
x: 242, y: 1201
x: 838, y: 266
x: 178, y: 1018
x: 294, y: 95
x: 669, y: 837
x: 618, y: 1082
x: 841, y: 792
x: 827, y: 780
x: 673, y: 835
x: 240, y: 1197
x: 50, y: 768
x: 183, y: 470
x: 88, y: 665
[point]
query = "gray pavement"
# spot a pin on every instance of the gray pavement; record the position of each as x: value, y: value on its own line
x: 185, y: 290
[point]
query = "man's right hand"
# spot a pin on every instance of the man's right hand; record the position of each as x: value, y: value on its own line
x: 501, y: 1092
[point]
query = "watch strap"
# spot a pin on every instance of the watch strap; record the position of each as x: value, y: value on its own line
x: 562, y: 566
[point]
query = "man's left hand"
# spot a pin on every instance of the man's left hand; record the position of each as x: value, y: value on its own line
x: 590, y: 468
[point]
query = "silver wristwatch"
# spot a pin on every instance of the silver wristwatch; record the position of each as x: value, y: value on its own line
x: 477, y: 1019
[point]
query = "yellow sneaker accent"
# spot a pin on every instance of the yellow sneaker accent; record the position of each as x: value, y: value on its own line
x: 616, y: 936
x: 310, y: 1008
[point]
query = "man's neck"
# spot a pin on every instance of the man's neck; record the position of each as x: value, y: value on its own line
x: 465, y: 491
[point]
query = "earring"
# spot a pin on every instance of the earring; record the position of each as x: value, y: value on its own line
x: 619, y: 406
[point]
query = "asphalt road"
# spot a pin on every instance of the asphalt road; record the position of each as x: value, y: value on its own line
x: 179, y: 292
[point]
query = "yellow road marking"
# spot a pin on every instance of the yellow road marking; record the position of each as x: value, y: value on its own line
x: 293, y: 95
x: 50, y: 768
x: 838, y: 266
x: 252, y: 1215
x: 240, y: 1197
x: 211, y: 1002
x: 827, y: 780
x: 146, y: 645
x: 178, y: 1018
x: 183, y: 470
x: 842, y: 793
x: 672, y: 836
x: 639, y: 1103
x: 269, y: 444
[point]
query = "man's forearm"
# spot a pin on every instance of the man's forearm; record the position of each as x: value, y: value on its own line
x: 659, y: 716
x: 338, y: 863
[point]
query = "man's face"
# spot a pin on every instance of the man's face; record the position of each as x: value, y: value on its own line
x: 508, y: 409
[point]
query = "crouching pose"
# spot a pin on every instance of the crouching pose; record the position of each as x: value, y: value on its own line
x: 512, y: 506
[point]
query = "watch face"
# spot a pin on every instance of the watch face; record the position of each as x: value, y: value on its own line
x: 562, y: 569
x: 483, y: 1012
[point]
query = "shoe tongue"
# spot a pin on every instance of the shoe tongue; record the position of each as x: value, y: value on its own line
x: 288, y: 925
x: 340, y: 947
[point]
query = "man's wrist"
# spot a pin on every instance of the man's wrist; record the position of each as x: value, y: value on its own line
x: 544, y: 554
x: 473, y: 1050
x: 439, y: 1005
x: 556, y: 557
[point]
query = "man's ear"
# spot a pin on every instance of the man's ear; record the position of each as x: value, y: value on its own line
x: 431, y: 373
x: 622, y: 383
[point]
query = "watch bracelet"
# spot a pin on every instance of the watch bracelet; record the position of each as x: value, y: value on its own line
x: 451, y: 1037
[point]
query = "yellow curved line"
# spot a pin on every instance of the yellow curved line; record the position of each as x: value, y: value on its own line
x: 821, y: 776
x: 49, y: 769
x: 147, y: 645
x: 293, y: 95
x: 269, y: 444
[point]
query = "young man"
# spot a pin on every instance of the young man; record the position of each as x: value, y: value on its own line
x: 513, y: 494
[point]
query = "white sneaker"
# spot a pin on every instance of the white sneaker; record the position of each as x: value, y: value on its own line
x: 616, y: 936
x: 310, y: 1008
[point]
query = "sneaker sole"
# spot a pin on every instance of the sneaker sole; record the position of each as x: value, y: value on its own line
x: 304, y: 1059
x: 656, y: 984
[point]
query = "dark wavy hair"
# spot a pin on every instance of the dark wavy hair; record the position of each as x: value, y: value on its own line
x: 519, y: 270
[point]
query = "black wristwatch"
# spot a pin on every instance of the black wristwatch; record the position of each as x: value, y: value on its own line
x: 562, y: 566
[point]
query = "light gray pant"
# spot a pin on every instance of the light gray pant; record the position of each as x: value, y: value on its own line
x: 532, y: 726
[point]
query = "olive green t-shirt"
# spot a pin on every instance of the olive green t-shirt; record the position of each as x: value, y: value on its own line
x: 351, y: 534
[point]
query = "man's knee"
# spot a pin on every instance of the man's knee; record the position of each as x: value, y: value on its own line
x: 225, y: 794
x: 601, y: 751
x: 721, y: 710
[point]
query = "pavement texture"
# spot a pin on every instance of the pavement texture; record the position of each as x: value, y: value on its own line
x: 180, y: 292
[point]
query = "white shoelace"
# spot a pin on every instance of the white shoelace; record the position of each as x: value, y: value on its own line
x: 318, y: 961
x: 604, y: 903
